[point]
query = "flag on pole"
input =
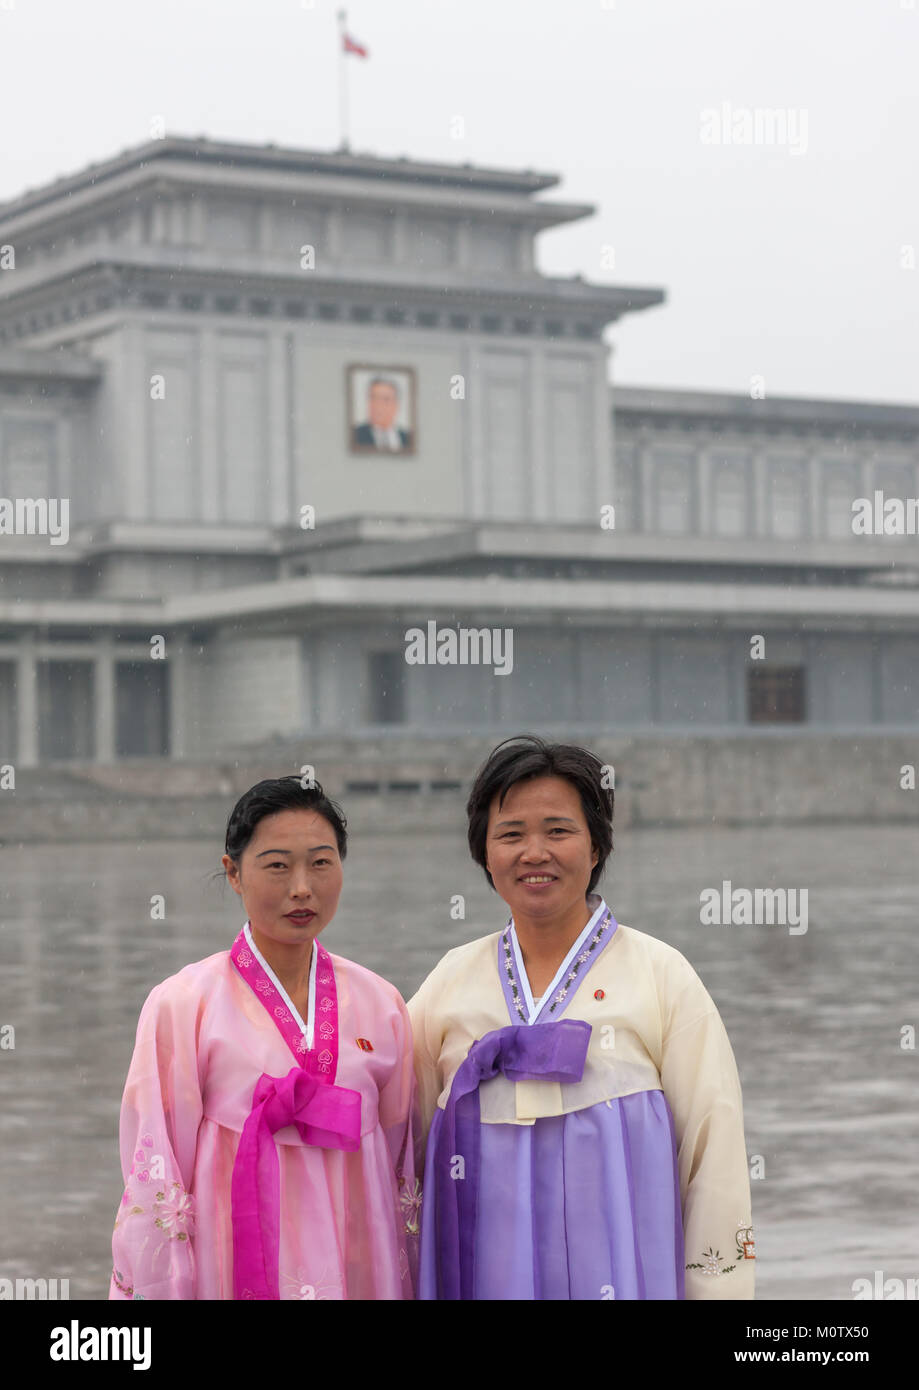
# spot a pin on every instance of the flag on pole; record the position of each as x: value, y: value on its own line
x: 348, y: 45
x: 352, y: 46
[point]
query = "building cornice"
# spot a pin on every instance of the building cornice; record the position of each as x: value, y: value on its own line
x: 138, y: 186
x: 84, y: 287
x: 634, y: 405
x: 503, y: 541
x: 291, y: 604
x: 391, y: 546
x: 184, y: 157
x: 30, y: 364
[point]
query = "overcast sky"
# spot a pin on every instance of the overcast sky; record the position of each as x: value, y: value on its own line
x: 790, y: 261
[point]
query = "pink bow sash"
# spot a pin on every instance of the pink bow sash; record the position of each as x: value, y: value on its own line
x: 326, y: 1116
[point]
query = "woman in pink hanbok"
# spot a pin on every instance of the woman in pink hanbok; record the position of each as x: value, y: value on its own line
x: 266, y: 1127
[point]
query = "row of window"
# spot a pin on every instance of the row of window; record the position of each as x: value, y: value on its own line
x: 669, y: 493
x: 672, y: 496
x: 280, y: 230
x: 65, y: 697
x: 775, y: 695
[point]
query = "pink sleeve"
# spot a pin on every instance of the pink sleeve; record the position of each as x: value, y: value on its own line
x: 153, y: 1246
x: 400, y: 1122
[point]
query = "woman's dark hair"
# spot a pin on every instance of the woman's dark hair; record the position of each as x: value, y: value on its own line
x: 281, y: 794
x: 524, y: 756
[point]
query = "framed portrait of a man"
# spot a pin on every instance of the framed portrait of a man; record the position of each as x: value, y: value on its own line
x: 381, y: 409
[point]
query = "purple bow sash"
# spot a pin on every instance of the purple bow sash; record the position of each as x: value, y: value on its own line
x: 326, y: 1116
x: 550, y: 1052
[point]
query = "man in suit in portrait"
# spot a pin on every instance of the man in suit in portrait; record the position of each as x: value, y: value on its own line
x: 379, y: 430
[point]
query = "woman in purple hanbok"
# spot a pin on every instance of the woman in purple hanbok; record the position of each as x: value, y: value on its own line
x: 580, y: 1096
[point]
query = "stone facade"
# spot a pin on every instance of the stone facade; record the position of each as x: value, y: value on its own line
x: 187, y: 334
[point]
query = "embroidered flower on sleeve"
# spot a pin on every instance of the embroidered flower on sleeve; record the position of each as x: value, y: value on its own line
x: 175, y: 1212
x: 304, y: 1286
x: 410, y: 1199
x: 712, y: 1262
x: 746, y: 1247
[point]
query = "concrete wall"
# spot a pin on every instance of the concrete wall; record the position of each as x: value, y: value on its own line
x: 663, y: 781
x: 203, y: 418
x: 241, y: 690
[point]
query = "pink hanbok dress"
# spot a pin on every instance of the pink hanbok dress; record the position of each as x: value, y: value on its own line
x: 266, y: 1156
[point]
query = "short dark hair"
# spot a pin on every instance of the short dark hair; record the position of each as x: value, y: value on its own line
x: 281, y: 794
x: 383, y: 381
x: 525, y: 756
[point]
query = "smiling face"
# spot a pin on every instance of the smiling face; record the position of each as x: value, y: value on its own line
x: 382, y: 405
x: 291, y: 865
x: 538, y: 848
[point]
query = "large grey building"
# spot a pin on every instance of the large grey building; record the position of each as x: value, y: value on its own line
x: 302, y: 403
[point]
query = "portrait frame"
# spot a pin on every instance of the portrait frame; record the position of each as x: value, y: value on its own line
x: 358, y: 376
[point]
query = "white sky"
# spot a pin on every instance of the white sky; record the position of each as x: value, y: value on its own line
x: 775, y: 263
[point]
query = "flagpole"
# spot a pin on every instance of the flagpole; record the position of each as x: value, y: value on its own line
x: 342, y: 79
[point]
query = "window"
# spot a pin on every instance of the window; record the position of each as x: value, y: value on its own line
x: 28, y: 465
x: 386, y: 687
x: 730, y: 501
x: 787, y: 498
x: 895, y: 481
x: 627, y: 497
x: 840, y: 488
x: 674, y: 487
x: 7, y: 710
x: 775, y: 694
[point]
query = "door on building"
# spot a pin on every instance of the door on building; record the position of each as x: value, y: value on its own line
x: 65, y: 691
x: 141, y: 709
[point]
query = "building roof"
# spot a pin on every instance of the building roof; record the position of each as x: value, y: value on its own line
x: 174, y: 150
x: 740, y: 408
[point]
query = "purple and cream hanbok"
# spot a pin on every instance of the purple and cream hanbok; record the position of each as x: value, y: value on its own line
x: 585, y: 1145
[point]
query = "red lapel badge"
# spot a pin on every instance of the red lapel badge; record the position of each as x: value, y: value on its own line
x: 365, y: 1044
